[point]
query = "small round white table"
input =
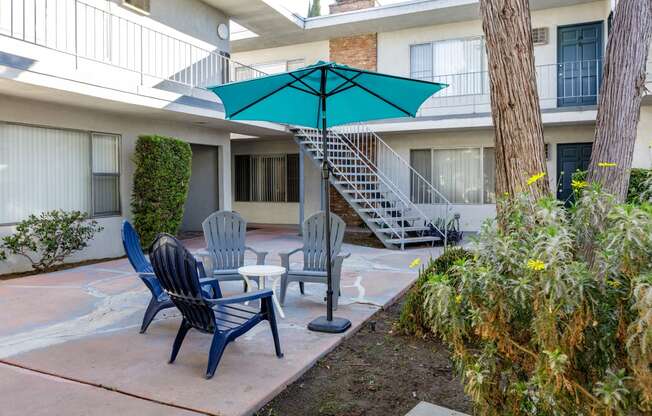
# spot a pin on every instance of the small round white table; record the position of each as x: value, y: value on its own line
x: 262, y: 272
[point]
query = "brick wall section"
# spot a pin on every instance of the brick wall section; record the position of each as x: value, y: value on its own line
x: 358, y: 51
x: 350, y: 5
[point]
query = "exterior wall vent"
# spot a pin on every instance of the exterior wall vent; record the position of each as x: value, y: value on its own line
x: 540, y: 35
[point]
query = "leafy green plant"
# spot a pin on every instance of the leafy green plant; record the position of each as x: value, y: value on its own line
x: 640, y: 184
x: 161, y: 183
x: 48, y: 239
x: 413, y: 318
x: 553, y: 313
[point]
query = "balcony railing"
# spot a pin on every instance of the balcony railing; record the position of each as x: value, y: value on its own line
x: 559, y: 85
x: 91, y: 34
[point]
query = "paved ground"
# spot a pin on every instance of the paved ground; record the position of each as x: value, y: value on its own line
x: 69, y: 341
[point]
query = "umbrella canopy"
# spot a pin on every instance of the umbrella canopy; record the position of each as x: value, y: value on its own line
x: 351, y: 95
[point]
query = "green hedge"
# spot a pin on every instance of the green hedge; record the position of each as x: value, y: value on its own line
x: 637, y: 187
x: 161, y: 181
x: 413, y: 319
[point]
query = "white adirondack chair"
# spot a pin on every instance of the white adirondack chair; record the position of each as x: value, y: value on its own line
x: 224, y: 233
x: 314, y: 255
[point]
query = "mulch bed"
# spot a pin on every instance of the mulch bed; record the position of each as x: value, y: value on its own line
x: 375, y: 372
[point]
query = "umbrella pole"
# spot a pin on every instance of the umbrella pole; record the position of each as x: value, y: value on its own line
x: 327, y: 323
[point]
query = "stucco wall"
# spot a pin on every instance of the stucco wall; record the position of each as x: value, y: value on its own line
x: 310, y: 52
x: 108, y: 243
x: 278, y: 212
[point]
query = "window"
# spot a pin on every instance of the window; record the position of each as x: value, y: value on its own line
x: 267, y: 178
x: 142, y: 5
x: 540, y: 35
x: 247, y: 72
x: 106, y: 174
x: 461, y: 63
x: 43, y: 169
x: 463, y: 176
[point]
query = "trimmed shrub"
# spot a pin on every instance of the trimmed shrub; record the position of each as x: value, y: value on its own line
x: 553, y: 313
x: 48, y: 239
x: 413, y: 319
x: 639, y: 183
x: 161, y: 181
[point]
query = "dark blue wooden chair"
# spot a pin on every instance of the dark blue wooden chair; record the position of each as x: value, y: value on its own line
x: 225, y: 317
x: 160, y: 300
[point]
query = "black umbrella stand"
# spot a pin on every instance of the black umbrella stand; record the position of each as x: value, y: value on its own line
x: 327, y: 323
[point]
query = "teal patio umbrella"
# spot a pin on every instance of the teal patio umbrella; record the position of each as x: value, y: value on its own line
x: 320, y: 96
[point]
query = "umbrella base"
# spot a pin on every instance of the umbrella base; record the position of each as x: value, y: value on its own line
x: 336, y: 326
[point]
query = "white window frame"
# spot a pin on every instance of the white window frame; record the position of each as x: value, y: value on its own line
x: 432, y: 161
x: 90, y: 134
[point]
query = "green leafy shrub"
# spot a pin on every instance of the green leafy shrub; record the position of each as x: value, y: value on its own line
x: 413, y: 318
x: 640, y: 183
x: 161, y: 183
x: 48, y: 239
x: 553, y: 314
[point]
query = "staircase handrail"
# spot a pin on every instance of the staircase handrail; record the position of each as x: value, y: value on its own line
x: 307, y: 133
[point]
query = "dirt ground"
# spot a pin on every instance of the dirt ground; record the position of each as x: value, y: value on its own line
x: 375, y: 372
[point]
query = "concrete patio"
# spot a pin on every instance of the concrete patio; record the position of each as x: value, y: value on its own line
x: 69, y: 342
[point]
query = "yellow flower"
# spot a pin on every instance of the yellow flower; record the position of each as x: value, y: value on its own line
x: 416, y: 262
x: 536, y: 265
x: 458, y: 299
x: 575, y: 184
x: 535, y: 178
x: 613, y: 283
x: 607, y: 164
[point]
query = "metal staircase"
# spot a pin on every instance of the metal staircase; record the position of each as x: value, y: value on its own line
x: 385, y: 191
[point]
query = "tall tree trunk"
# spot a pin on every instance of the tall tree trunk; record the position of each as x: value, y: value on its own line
x: 520, y: 151
x: 619, y: 104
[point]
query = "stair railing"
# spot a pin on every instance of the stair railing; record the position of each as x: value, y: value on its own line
x: 398, y: 172
x: 314, y: 137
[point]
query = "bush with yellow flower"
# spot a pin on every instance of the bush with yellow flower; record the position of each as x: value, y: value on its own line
x: 552, y: 315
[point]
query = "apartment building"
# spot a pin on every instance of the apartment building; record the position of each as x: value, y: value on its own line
x: 450, y: 144
x: 80, y: 80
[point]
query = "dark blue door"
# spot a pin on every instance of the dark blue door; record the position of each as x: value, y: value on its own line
x: 579, y: 64
x: 570, y: 157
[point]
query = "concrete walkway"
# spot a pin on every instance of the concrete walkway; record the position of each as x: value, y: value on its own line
x: 69, y: 341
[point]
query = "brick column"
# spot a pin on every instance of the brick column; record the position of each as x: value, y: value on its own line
x: 359, y: 51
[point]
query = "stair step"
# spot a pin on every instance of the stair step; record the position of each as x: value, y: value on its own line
x: 409, y: 240
x: 395, y: 219
x: 406, y: 229
x: 364, y: 191
x: 357, y: 182
x: 372, y: 200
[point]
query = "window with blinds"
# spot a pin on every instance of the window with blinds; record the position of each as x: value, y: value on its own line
x: 266, y: 178
x: 43, y: 169
x: 463, y: 176
x: 461, y: 63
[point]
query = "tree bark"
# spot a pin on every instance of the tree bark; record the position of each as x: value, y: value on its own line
x: 619, y: 104
x: 520, y: 150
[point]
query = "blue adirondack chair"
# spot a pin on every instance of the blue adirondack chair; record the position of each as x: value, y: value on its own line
x: 225, y: 234
x: 314, y: 255
x: 225, y: 317
x: 160, y: 300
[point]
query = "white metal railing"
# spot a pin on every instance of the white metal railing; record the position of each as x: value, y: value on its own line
x: 559, y: 85
x: 92, y: 34
x: 407, y: 182
x: 374, y: 156
x: 344, y: 171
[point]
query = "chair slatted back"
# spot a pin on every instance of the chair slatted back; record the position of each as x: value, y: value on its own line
x: 314, y: 240
x: 176, y: 269
x: 225, y: 234
x: 133, y: 249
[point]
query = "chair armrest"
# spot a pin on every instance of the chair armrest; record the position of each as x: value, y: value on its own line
x: 260, y: 255
x: 244, y: 297
x: 285, y: 257
x: 213, y: 284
